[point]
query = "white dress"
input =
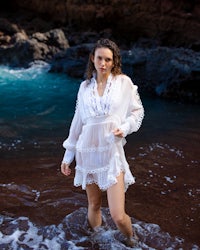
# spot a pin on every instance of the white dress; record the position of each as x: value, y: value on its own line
x: 99, y: 155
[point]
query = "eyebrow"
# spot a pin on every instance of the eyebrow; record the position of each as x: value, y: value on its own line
x: 107, y: 58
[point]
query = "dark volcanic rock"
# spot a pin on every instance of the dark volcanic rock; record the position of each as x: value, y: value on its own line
x: 154, y: 64
x: 167, y: 72
x: 20, y: 50
x: 172, y: 22
x: 73, y: 61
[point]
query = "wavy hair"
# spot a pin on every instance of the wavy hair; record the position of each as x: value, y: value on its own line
x: 105, y: 43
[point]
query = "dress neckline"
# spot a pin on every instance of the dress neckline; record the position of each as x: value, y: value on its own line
x: 101, y: 104
x: 106, y: 89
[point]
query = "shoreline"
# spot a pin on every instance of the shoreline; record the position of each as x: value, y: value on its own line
x: 143, y: 202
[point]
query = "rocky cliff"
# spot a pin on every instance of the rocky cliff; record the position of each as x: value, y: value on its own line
x: 172, y: 22
x: 159, y: 39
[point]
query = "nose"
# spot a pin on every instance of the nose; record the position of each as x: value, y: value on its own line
x: 102, y: 63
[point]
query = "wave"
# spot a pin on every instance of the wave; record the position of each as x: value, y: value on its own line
x: 36, y: 68
x: 74, y: 233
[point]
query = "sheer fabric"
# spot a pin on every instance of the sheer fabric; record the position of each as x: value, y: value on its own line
x: 99, y: 154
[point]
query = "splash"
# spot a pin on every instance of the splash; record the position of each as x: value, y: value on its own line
x: 36, y: 68
x: 74, y: 233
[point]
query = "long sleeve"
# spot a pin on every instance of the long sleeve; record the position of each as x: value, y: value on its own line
x: 70, y: 143
x: 135, y: 111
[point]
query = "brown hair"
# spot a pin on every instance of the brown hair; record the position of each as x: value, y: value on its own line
x: 105, y: 43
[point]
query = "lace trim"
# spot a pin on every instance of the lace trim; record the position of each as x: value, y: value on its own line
x: 102, y: 186
x: 105, y: 176
x: 94, y: 149
x: 141, y: 115
x: 87, y: 171
x: 140, y: 121
x: 100, y: 105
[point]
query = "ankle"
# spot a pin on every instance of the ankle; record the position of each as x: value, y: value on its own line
x: 131, y: 241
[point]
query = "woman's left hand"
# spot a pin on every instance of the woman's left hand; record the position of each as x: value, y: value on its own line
x: 118, y: 132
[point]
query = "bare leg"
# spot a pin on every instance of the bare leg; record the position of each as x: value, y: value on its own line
x: 116, y: 202
x: 94, y: 195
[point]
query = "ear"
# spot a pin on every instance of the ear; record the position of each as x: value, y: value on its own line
x: 92, y: 58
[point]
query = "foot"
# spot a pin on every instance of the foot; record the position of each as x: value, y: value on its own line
x: 131, y: 242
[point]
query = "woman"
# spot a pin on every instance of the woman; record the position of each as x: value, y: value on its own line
x: 108, y: 109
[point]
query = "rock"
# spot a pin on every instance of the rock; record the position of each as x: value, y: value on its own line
x: 4, y: 39
x: 166, y: 72
x: 174, y: 23
x: 73, y: 61
x: 19, y: 36
x: 57, y: 39
x: 41, y: 46
x: 153, y: 27
x: 40, y: 37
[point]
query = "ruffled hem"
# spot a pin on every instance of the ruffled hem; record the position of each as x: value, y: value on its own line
x: 105, y: 187
x: 106, y: 176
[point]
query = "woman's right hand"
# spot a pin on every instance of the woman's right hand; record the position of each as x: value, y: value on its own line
x: 65, y: 169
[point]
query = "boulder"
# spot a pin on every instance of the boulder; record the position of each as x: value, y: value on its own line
x: 40, y: 46
x: 172, y: 73
x: 73, y: 61
x: 167, y: 72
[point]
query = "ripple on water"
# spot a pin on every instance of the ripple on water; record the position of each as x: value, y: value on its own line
x: 167, y: 165
x: 19, y: 194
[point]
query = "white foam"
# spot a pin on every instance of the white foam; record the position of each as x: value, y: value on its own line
x: 168, y: 179
x: 72, y: 232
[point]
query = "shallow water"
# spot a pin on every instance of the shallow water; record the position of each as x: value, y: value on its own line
x: 40, y: 208
x: 74, y: 233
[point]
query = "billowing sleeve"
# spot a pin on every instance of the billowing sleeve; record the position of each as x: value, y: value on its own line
x: 135, y: 111
x: 75, y: 129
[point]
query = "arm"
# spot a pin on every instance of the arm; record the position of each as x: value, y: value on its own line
x: 135, y: 112
x: 70, y: 143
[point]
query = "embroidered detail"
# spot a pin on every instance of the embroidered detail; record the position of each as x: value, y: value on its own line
x: 94, y: 149
x: 99, y: 155
x: 101, y: 105
x: 93, y: 171
x: 141, y: 112
x: 105, y: 176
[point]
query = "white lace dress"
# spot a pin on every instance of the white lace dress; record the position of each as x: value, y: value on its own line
x: 99, y: 154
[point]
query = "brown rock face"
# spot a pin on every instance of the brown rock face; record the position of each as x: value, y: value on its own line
x: 172, y: 22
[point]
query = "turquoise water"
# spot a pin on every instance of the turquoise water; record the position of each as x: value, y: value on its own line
x: 36, y: 108
x: 34, y: 105
x: 26, y: 93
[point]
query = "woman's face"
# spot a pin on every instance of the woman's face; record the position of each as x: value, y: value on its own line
x: 103, y: 61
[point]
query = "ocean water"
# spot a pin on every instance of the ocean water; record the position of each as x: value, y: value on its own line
x: 30, y: 99
x: 40, y: 209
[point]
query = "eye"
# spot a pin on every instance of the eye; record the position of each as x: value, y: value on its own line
x: 108, y: 60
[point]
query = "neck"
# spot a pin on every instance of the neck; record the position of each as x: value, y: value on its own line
x: 102, y: 80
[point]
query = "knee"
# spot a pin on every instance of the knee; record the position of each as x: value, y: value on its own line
x: 118, y: 218
x: 95, y: 205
